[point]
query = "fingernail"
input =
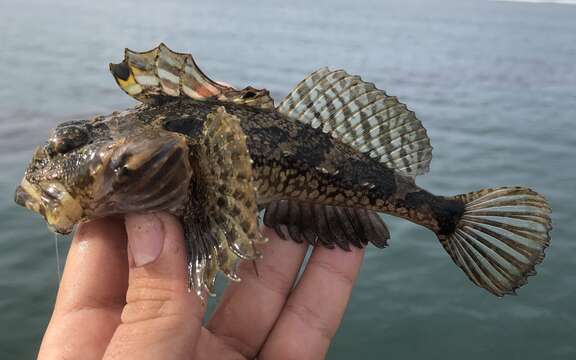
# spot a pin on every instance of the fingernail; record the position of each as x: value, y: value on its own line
x: 145, y: 237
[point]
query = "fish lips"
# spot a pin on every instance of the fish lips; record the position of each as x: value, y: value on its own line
x: 60, y: 210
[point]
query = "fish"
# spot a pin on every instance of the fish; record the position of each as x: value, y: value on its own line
x: 321, y: 166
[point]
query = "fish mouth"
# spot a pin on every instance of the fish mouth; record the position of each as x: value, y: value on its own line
x: 51, y: 200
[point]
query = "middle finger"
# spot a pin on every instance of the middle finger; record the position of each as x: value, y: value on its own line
x: 248, y: 310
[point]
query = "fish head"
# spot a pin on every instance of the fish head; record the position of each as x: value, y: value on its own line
x: 94, y: 168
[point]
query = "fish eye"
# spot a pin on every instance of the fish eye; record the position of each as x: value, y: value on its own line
x: 248, y: 95
x: 67, y: 139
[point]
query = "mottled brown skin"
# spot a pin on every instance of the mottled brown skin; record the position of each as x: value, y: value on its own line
x: 294, y: 161
x: 291, y: 161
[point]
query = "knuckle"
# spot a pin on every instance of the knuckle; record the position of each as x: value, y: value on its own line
x: 312, y: 318
x: 334, y: 272
x: 268, y: 277
x: 150, y: 299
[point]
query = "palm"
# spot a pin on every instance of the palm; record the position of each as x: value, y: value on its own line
x: 100, y: 308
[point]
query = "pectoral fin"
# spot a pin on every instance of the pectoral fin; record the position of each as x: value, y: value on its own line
x: 221, y: 222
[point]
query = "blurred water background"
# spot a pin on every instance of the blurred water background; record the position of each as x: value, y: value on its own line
x: 493, y: 82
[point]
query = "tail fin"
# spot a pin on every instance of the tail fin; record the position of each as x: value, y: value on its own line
x: 501, y: 237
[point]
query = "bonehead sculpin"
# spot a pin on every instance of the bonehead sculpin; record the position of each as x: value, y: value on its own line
x: 321, y: 164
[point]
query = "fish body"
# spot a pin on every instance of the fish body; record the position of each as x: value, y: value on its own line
x: 293, y: 161
x: 322, y: 165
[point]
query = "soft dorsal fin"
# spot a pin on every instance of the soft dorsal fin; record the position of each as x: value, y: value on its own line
x: 362, y: 116
x: 153, y: 75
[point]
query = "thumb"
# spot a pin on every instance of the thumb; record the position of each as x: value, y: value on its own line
x: 161, y: 319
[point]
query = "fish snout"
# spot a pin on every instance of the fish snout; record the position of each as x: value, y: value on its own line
x: 21, y: 197
x: 58, y: 207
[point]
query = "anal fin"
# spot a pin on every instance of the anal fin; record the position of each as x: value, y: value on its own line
x: 329, y: 226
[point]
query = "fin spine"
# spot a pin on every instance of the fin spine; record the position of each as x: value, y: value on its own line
x: 159, y: 74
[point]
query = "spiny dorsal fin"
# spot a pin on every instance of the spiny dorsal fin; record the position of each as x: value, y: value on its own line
x: 362, y: 116
x: 153, y: 75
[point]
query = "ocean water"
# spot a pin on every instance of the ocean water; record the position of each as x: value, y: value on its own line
x: 493, y: 82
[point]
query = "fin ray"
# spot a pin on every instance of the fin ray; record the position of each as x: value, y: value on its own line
x: 498, y: 261
x: 478, y: 264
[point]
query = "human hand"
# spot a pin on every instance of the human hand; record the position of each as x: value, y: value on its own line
x: 123, y: 295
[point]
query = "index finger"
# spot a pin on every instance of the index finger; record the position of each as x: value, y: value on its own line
x: 91, y: 294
